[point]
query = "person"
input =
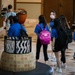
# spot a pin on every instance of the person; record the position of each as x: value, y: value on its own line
x: 66, y: 26
x: 56, y: 47
x: 14, y: 30
x: 52, y: 16
x: 6, y: 16
x: 38, y: 29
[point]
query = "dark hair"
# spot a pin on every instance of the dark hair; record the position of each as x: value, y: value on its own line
x: 42, y: 20
x: 54, y: 14
x: 15, y: 19
x: 11, y: 19
x: 53, y: 11
x: 10, y: 6
x: 63, y: 21
x: 57, y: 24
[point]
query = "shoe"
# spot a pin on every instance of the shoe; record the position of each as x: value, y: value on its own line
x: 59, y: 70
x: 52, y: 58
x: 51, y: 70
x: 63, y: 65
x: 46, y: 62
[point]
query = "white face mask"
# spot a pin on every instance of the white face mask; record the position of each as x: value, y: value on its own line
x: 52, y: 16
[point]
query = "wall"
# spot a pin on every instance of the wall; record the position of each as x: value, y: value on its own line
x: 33, y: 10
x: 28, y: 0
x: 33, y: 7
x: 5, y: 3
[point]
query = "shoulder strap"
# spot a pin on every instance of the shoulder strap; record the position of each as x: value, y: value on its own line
x: 41, y: 27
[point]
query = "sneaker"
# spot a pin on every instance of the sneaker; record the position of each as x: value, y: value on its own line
x: 55, y: 67
x: 63, y: 65
x: 46, y: 62
x: 59, y: 70
x: 51, y: 70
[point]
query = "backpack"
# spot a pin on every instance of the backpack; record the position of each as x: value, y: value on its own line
x: 23, y: 33
x: 69, y: 34
x: 62, y: 39
x: 44, y: 36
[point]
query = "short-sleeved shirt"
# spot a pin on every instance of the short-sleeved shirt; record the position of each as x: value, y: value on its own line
x: 51, y: 24
x: 38, y: 28
x: 14, y: 30
x: 9, y: 14
x: 54, y: 33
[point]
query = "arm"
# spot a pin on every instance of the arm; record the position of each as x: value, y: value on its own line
x: 37, y: 30
x: 67, y: 24
x: 53, y: 37
x: 53, y: 43
x: 5, y: 20
x: 11, y: 32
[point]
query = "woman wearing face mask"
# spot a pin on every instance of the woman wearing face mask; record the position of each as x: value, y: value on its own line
x: 52, y: 16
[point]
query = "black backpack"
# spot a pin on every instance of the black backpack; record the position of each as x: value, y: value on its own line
x: 23, y: 33
x: 69, y: 34
x: 61, y: 41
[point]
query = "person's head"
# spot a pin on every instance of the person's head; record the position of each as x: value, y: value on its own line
x: 52, y: 15
x: 10, y: 7
x: 63, y: 20
x: 42, y: 20
x: 15, y: 19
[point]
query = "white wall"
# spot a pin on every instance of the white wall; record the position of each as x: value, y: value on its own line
x: 33, y: 10
x: 5, y: 3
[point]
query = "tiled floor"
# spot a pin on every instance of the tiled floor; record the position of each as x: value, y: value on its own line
x: 70, y: 70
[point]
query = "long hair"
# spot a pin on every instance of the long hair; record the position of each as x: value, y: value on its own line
x: 42, y: 20
x: 63, y: 21
x: 57, y: 24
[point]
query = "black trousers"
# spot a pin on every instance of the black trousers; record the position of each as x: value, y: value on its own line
x: 63, y: 51
x: 63, y: 56
x: 38, y: 47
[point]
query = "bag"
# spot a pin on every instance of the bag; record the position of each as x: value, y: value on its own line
x: 69, y: 34
x: 45, y: 36
x: 62, y: 39
x: 23, y: 33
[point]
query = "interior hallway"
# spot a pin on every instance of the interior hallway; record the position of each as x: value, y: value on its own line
x: 70, y: 70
